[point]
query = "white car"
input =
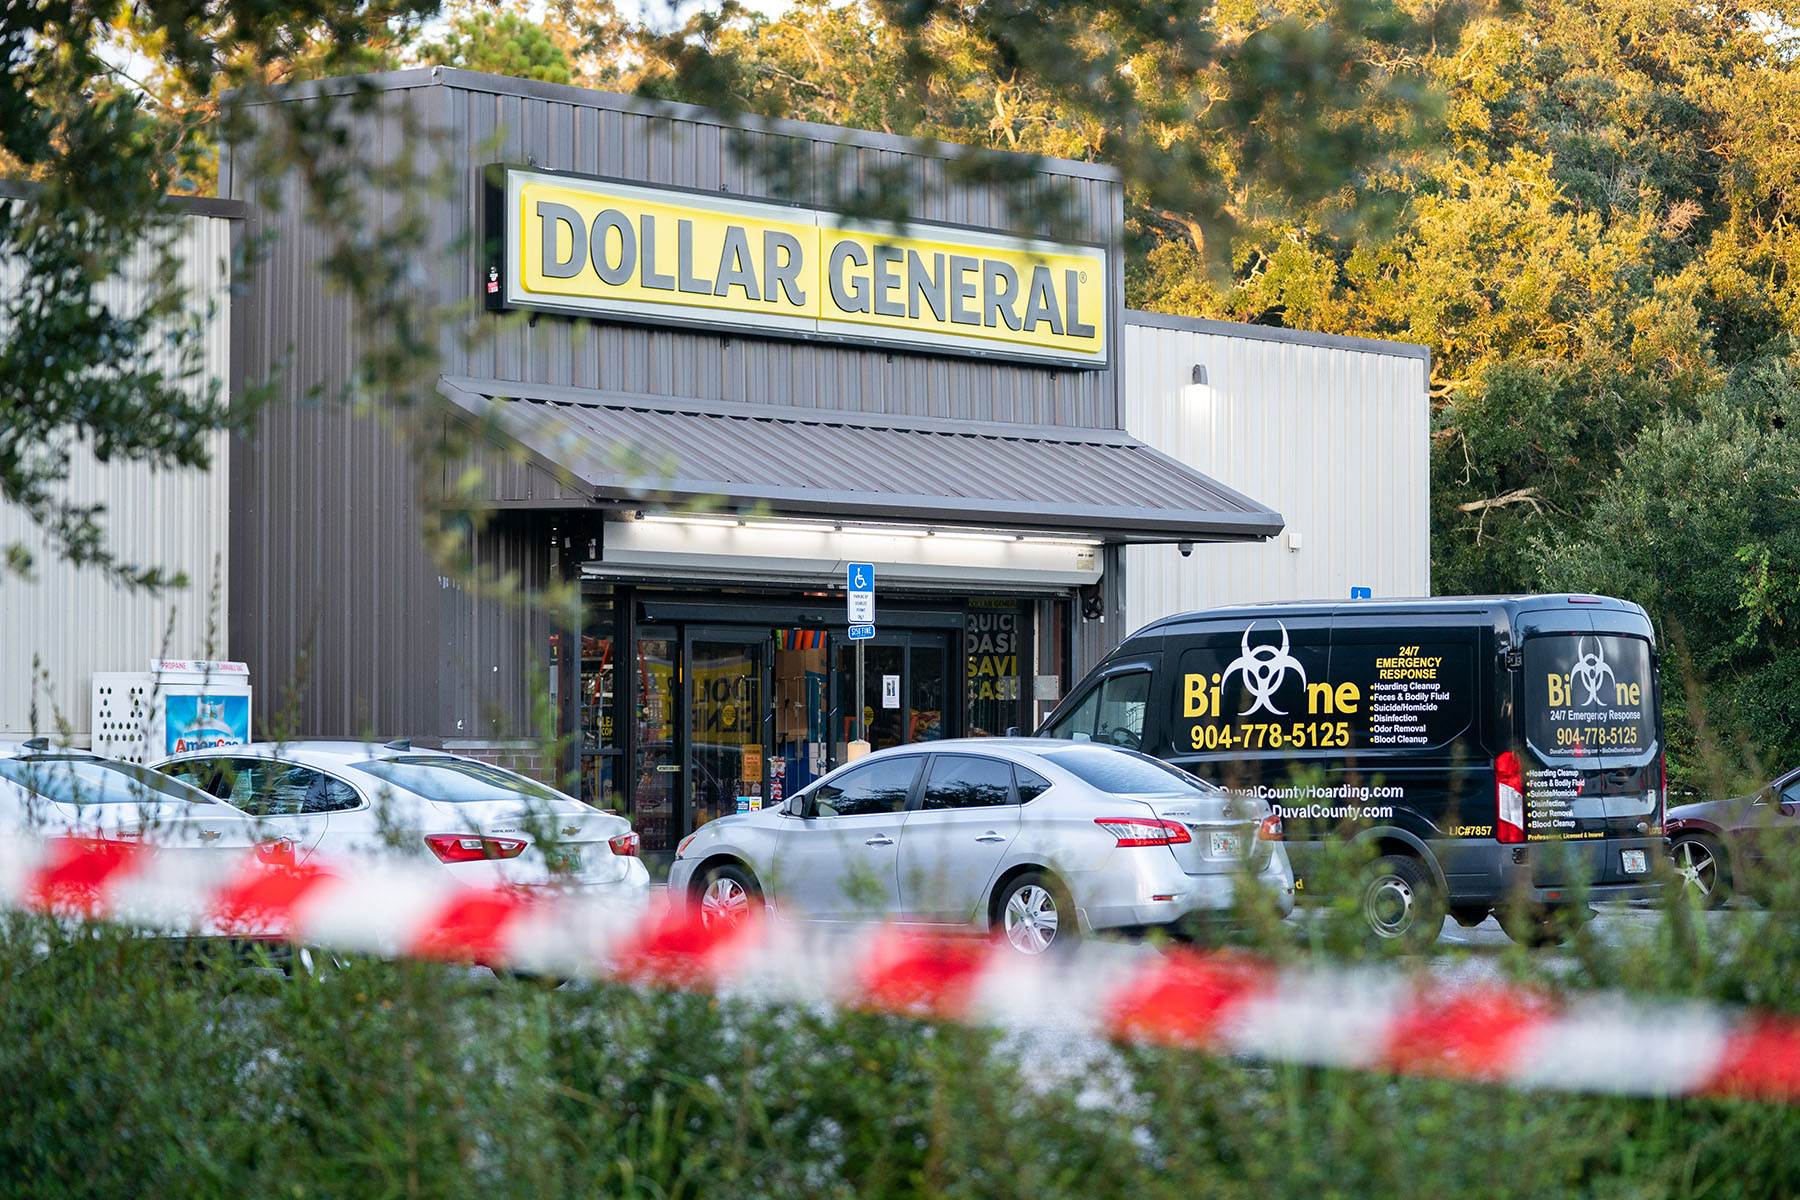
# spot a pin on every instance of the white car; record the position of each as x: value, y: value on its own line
x: 360, y: 802
x: 46, y: 792
x: 1041, y: 840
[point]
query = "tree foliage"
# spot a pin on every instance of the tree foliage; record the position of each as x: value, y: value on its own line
x: 101, y: 146
x: 500, y: 42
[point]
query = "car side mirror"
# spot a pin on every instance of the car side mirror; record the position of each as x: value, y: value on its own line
x: 1012, y: 731
x: 1786, y: 809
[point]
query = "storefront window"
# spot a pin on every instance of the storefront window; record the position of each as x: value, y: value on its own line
x: 928, y: 662
x: 727, y: 716
x: 656, y: 765
x: 802, y: 711
x: 596, y: 732
x: 991, y: 642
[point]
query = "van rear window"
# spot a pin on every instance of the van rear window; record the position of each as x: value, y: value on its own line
x: 1589, y: 696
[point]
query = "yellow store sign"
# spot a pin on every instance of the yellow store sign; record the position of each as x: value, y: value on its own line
x: 594, y: 247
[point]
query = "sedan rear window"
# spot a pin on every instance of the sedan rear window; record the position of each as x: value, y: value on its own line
x: 1126, y: 772
x: 455, y: 781
x: 97, y: 781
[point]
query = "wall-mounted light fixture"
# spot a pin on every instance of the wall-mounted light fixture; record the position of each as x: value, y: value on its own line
x: 1199, y: 372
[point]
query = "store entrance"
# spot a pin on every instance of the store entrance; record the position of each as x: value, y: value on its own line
x: 728, y: 721
x: 688, y: 710
x: 904, y: 689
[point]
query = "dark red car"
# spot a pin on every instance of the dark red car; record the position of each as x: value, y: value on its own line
x: 1721, y: 846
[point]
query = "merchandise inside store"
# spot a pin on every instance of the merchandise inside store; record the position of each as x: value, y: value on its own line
x: 689, y: 704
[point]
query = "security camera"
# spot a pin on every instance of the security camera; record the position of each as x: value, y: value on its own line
x: 1186, y: 548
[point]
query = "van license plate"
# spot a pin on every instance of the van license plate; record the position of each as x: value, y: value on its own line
x: 1635, y: 862
x: 1226, y: 845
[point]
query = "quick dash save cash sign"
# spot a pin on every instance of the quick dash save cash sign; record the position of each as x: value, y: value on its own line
x: 581, y: 245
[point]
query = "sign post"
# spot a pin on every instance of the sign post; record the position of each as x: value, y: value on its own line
x: 859, y: 599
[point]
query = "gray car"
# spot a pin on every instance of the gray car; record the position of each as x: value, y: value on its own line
x: 1043, y: 840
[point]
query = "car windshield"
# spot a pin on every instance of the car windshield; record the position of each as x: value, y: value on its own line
x: 97, y: 781
x: 1126, y: 772
x: 456, y: 781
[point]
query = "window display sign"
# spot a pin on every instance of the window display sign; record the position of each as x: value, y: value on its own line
x: 584, y: 246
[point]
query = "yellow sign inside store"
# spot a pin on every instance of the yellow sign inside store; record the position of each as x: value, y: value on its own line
x: 582, y: 245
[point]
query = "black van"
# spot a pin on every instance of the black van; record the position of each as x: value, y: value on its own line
x: 1486, y: 747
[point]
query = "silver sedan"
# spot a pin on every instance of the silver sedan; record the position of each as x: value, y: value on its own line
x: 1044, y: 840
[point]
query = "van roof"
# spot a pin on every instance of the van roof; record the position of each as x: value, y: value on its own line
x: 1401, y: 606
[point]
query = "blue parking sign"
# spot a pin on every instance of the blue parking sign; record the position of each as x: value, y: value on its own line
x: 859, y: 593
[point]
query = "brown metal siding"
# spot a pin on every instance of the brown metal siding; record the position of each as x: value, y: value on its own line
x: 494, y: 651
x: 331, y: 591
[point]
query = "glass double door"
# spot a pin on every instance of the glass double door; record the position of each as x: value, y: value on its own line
x: 730, y: 718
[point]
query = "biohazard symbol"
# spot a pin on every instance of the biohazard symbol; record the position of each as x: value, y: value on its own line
x: 1591, y: 669
x: 1265, y: 669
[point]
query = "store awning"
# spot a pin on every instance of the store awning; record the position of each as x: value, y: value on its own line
x: 627, y: 449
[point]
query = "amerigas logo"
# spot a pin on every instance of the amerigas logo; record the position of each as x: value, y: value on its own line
x: 1264, y: 669
x: 1591, y: 671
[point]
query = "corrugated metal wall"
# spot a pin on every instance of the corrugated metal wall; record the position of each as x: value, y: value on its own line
x: 1334, y: 435
x: 333, y: 594
x: 77, y: 622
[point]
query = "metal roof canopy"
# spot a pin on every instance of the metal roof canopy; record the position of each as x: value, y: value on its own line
x: 815, y: 462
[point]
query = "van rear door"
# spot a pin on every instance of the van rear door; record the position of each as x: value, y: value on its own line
x: 1593, y: 743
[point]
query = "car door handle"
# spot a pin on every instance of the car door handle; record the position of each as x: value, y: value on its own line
x: 880, y: 839
x: 991, y: 836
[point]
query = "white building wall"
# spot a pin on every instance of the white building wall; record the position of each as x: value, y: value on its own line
x: 76, y: 622
x: 1331, y: 432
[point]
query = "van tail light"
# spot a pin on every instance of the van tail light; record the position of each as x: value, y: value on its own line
x: 1662, y: 793
x: 466, y: 847
x: 1144, y: 831
x: 625, y: 845
x: 1270, y: 830
x: 1509, y: 799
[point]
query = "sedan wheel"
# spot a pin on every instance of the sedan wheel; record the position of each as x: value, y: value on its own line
x: 1037, y: 915
x: 1703, y: 875
x: 726, y: 897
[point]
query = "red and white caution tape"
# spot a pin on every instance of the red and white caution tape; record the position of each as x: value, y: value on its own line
x: 1217, y: 1003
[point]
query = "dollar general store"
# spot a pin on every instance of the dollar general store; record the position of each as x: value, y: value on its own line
x: 726, y: 385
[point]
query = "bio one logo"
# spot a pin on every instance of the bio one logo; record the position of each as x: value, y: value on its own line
x: 1587, y: 677
x: 1265, y: 670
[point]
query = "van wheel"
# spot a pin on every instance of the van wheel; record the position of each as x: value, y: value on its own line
x: 1400, y: 902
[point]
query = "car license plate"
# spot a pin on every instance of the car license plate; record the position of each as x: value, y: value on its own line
x: 1635, y: 862
x: 568, y: 862
x: 1227, y: 845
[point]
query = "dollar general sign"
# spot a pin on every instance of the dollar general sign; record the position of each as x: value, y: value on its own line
x: 584, y: 246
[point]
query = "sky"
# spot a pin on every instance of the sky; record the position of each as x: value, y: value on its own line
x: 660, y: 10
